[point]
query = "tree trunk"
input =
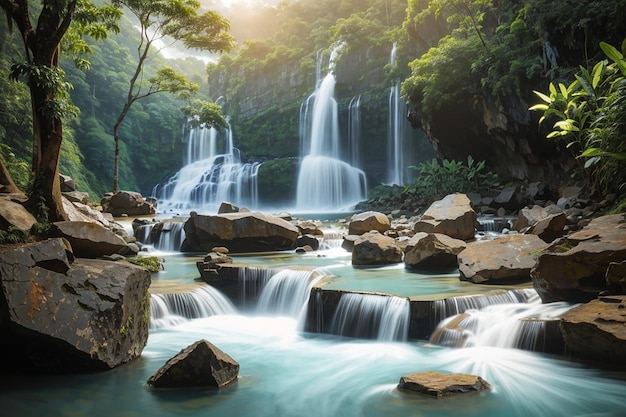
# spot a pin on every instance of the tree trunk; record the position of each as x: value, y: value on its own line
x: 7, y: 185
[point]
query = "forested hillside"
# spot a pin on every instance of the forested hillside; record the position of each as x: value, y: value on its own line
x: 468, y: 69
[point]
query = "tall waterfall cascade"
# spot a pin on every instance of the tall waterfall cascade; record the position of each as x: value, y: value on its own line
x: 399, y: 147
x: 213, y: 173
x: 325, y: 181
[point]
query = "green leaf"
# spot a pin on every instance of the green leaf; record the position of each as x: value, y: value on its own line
x: 539, y: 107
x: 543, y: 96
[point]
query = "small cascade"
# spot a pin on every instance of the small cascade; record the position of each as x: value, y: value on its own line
x: 456, y: 305
x: 251, y: 283
x: 371, y: 316
x: 165, y: 236
x: 213, y: 173
x: 354, y: 131
x: 493, y: 224
x: 521, y: 326
x: 398, y: 152
x: 173, y: 308
x: 287, y: 292
x: 325, y: 181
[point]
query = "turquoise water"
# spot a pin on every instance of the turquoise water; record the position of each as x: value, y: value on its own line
x: 287, y: 373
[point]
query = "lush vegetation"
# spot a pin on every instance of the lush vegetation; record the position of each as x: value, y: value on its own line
x: 589, y: 115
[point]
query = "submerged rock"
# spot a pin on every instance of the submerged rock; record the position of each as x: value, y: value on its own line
x: 453, y: 216
x: 439, y: 385
x: 574, y: 268
x: 61, y: 315
x: 201, y: 364
x: 505, y: 259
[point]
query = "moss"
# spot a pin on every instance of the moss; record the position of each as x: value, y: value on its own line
x: 564, y: 246
x: 151, y: 263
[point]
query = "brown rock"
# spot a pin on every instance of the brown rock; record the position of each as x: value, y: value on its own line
x: 616, y: 277
x: 14, y: 214
x: 574, y: 268
x: 439, y: 385
x: 90, y: 240
x: 432, y: 251
x: 369, y: 220
x: 505, y: 259
x: 372, y: 248
x: 453, y: 216
x: 201, y: 364
x: 596, y: 331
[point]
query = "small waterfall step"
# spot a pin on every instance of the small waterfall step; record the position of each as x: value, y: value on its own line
x: 169, y: 309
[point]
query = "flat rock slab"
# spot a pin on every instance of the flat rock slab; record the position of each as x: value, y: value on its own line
x: 439, y: 385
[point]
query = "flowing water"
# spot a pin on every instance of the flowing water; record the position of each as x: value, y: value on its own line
x: 325, y: 181
x: 213, y: 173
x: 286, y: 372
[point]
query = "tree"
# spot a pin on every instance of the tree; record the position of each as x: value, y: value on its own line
x: 173, y: 21
x: 42, y: 35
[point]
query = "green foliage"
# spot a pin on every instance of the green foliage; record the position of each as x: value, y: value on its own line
x: 18, y: 168
x: 277, y: 179
x: 439, y: 179
x: 151, y: 263
x: 590, y: 117
x: 13, y: 235
x: 205, y: 114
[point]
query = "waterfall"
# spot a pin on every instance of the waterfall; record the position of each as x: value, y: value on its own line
x: 287, y: 292
x: 210, y: 177
x: 456, y: 305
x: 398, y: 149
x: 376, y: 316
x: 164, y: 236
x: 325, y: 182
x: 515, y: 325
x: 354, y: 131
x: 173, y: 308
x: 252, y: 281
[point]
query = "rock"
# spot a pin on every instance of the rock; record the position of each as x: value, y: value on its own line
x: 77, y: 212
x: 127, y: 203
x: 61, y: 315
x: 201, y: 364
x: 221, y: 250
x: 439, y: 385
x: 432, y: 251
x: 67, y: 183
x: 510, y: 198
x: 574, y: 268
x: 348, y: 242
x: 90, y: 240
x: 77, y: 196
x: 453, y: 216
x: 372, y: 248
x: 368, y: 220
x: 596, y: 331
x: 304, y: 249
x: 239, y: 232
x: 227, y: 207
x: 308, y: 240
x: 14, y: 214
x: 505, y: 259
x: 616, y: 277
x: 309, y: 228
x: 547, y: 223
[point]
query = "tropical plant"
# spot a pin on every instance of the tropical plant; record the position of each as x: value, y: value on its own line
x: 438, y: 179
x: 590, y: 116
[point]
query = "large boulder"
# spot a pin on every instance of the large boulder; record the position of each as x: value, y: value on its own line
x: 368, y: 220
x: 239, y: 232
x: 201, y: 364
x: 453, y: 216
x: 574, y: 268
x: 432, y: 251
x: 505, y: 259
x: 596, y: 331
x: 14, y: 214
x: 439, y: 384
x: 372, y: 248
x: 57, y: 314
x: 90, y: 240
x: 127, y: 203
x: 77, y: 212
